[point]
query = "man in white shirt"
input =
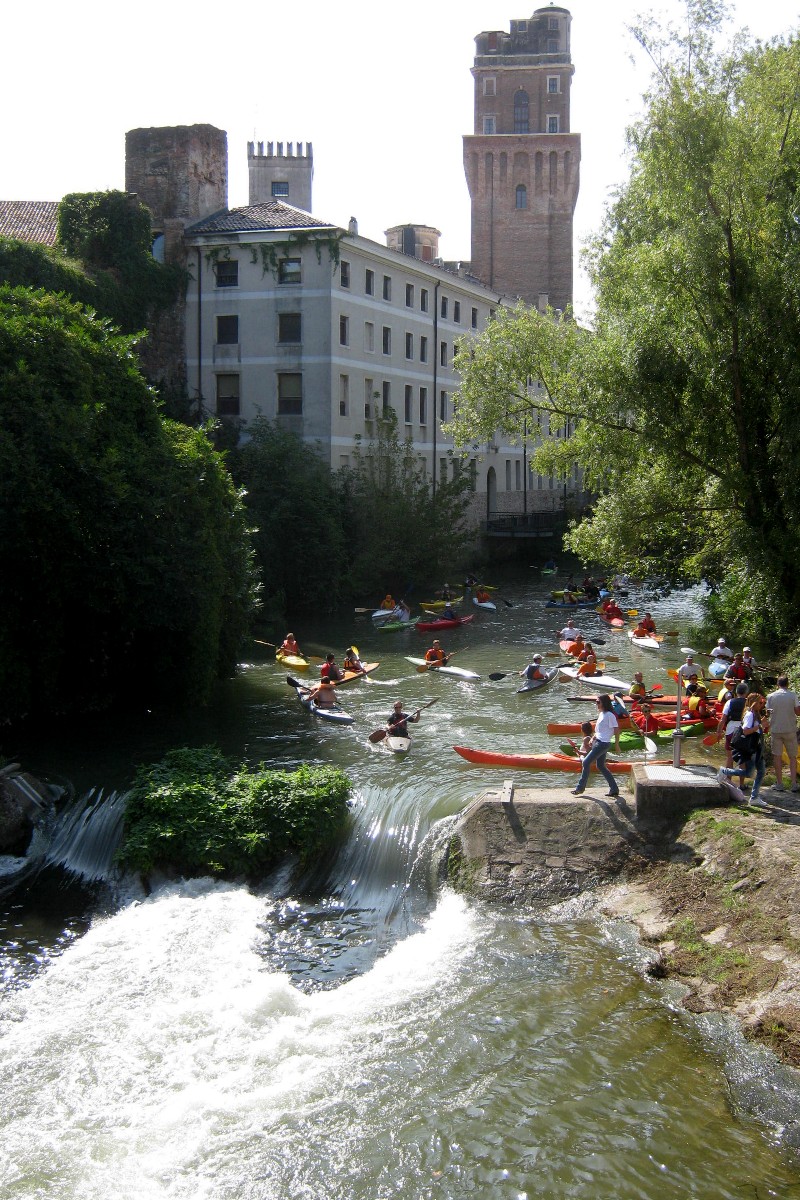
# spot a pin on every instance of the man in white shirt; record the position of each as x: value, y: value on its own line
x: 569, y: 632
x: 722, y: 650
x: 783, y: 712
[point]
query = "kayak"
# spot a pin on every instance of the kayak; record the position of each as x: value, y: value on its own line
x: 570, y: 727
x: 577, y: 604
x: 393, y: 626
x: 335, y: 714
x: 440, y: 603
x: 614, y: 622
x: 601, y: 681
x: 647, y: 643
x: 349, y: 676
x: 549, y: 570
x: 397, y: 745
x: 444, y: 623
x: 689, y: 724
x: 554, y: 761
x: 489, y: 605
x: 293, y: 661
x: 629, y: 739
x: 459, y: 672
x: 534, y: 685
x: 718, y: 668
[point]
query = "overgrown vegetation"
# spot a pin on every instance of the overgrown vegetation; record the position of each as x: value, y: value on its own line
x: 127, y: 572
x: 679, y: 405
x: 198, y: 813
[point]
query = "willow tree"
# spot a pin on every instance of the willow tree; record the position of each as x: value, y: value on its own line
x: 682, y: 398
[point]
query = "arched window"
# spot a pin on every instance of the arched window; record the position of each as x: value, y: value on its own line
x: 521, y: 112
x: 522, y: 196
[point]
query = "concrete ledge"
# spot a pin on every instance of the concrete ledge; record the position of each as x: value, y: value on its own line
x: 666, y: 794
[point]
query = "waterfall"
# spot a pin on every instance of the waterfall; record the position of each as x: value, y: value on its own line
x: 87, y: 835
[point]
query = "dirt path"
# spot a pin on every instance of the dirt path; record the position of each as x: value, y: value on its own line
x: 723, y: 913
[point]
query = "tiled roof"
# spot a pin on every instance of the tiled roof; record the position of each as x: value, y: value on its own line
x: 258, y: 217
x: 29, y: 220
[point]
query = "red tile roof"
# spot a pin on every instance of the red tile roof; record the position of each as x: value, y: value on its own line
x: 258, y: 217
x: 29, y: 220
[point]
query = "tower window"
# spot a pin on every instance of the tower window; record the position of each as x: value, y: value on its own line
x: 552, y: 124
x: 489, y: 85
x: 521, y: 196
x: 521, y: 112
x: 280, y: 188
x: 554, y: 84
x: 489, y: 125
x: 552, y: 23
x: 552, y: 45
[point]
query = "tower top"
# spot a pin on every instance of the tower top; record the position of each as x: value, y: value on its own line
x: 539, y: 39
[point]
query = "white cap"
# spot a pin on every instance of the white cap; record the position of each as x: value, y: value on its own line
x: 747, y: 650
x: 537, y: 658
x: 720, y: 641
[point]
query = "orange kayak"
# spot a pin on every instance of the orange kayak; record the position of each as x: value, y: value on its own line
x: 558, y: 727
x: 542, y: 762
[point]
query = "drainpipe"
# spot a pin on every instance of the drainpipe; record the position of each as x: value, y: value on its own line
x: 435, y: 375
x: 199, y: 332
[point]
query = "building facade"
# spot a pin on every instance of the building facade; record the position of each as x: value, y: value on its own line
x: 522, y: 162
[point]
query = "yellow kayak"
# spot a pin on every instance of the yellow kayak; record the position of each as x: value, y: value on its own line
x: 441, y: 603
x: 292, y: 660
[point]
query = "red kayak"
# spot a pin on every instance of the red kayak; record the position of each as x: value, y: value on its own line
x: 540, y: 762
x: 574, y: 726
x: 443, y: 623
x: 667, y: 720
x: 614, y: 622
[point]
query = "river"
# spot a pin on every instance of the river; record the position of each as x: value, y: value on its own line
x: 362, y: 1036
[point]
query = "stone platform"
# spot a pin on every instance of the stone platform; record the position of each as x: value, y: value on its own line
x: 530, y: 843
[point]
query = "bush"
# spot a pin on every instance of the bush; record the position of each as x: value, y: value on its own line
x: 198, y: 813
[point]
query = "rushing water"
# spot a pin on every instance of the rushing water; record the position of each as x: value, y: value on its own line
x: 360, y: 1038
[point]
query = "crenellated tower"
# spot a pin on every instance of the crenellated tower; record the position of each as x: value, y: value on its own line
x: 281, y: 175
x: 522, y: 162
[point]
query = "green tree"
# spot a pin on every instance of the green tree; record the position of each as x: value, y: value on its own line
x: 682, y: 397
x: 127, y: 570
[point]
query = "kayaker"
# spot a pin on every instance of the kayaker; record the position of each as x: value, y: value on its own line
x: 606, y: 727
x: 403, y: 611
x: 649, y: 624
x: 699, y: 705
x: 570, y: 632
x: 749, y: 662
x: 644, y: 720
x: 436, y: 655
x: 692, y: 685
x: 722, y: 650
x: 482, y: 596
x: 737, y: 670
x: 687, y: 668
x: 589, y: 662
x: 641, y: 631
x: 289, y: 646
x: 533, y: 669
x: 445, y: 593
x: 637, y: 688
x: 324, y: 694
x: 388, y: 602
x: 613, y: 611
x: 575, y: 649
x: 351, y: 661
x: 550, y: 565
x: 449, y: 613
x: 397, y: 725
x: 329, y: 669
x: 470, y: 581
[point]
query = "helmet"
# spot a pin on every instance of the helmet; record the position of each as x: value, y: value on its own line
x: 537, y: 658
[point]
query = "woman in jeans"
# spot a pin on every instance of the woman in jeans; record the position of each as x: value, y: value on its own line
x: 605, y: 728
x: 754, y: 723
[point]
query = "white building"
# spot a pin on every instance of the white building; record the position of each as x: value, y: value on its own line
x: 319, y: 329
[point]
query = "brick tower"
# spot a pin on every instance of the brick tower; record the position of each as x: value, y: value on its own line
x: 522, y: 163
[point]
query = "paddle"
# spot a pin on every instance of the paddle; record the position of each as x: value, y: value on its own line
x: 495, y: 675
x: 711, y: 739
x: 431, y: 666
x: 556, y: 654
x: 295, y: 683
x: 258, y: 642
x: 672, y: 633
x: 650, y: 746
x: 378, y: 735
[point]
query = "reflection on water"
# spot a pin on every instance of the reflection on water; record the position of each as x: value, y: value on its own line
x: 351, y: 1037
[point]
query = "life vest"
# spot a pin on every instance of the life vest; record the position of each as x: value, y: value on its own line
x: 435, y: 655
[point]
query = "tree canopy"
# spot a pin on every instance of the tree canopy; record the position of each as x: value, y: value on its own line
x: 680, y: 402
x: 127, y: 572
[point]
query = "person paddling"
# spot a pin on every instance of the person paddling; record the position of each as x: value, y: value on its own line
x: 289, y: 646
x: 324, y: 694
x: 329, y: 669
x: 533, y: 670
x: 352, y: 662
x: 435, y: 656
x: 570, y: 632
x: 397, y: 725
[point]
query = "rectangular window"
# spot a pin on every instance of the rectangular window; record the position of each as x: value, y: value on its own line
x: 474, y: 318
x: 442, y: 406
x: 553, y: 84
x: 508, y: 474
x: 280, y: 187
x: 289, y: 270
x: 387, y: 340
x: 227, y: 272
x: 409, y: 345
x: 344, y: 394
x: 443, y: 470
x: 408, y: 403
x: 489, y: 85
x: 423, y: 349
x: 289, y: 327
x: 387, y: 395
x: 344, y: 331
x: 290, y: 394
x: 444, y: 308
x: 369, y: 388
x: 344, y: 274
x: 409, y: 295
x: 457, y: 311
x: 488, y: 125
x: 552, y: 124
x: 423, y: 299
x: 227, y: 331
x: 369, y: 336
x: 517, y: 474
x: 369, y: 282
x: 423, y: 406
x: 227, y: 395
x: 552, y: 45
x: 387, y: 287
x: 443, y: 354
x: 552, y: 23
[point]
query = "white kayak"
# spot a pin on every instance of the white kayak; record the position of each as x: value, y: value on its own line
x: 533, y: 685
x: 459, y: 672
x: 336, y: 713
x: 718, y: 669
x: 595, y: 681
x: 489, y: 605
x: 397, y: 745
x: 647, y: 643
x: 387, y: 614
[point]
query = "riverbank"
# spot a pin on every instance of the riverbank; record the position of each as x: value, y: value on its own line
x: 722, y: 913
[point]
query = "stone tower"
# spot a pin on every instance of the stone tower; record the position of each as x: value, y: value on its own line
x: 522, y: 163
x: 281, y: 176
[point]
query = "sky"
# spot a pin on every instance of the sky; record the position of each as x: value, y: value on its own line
x: 383, y: 92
